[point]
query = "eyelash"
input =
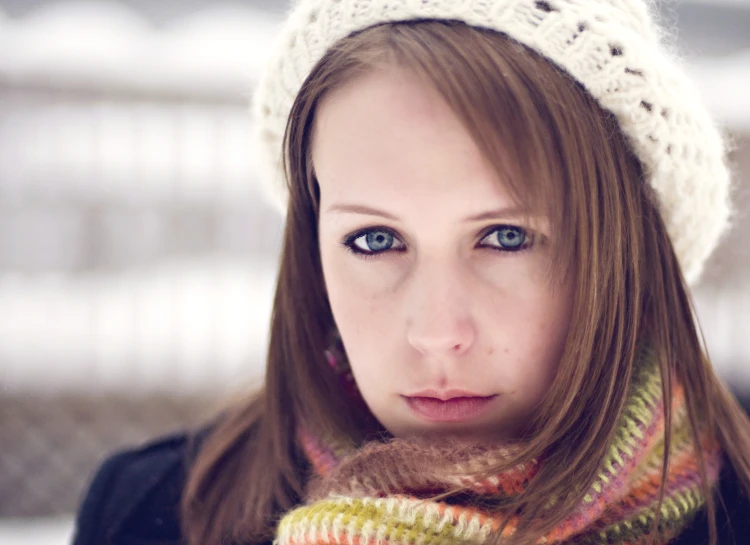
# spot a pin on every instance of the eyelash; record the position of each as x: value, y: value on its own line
x: 348, y: 242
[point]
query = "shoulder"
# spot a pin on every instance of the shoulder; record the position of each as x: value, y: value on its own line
x: 134, y: 496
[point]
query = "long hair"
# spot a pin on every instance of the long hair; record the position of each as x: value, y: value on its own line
x: 558, y: 151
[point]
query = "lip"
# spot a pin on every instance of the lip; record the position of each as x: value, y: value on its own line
x: 449, y: 406
x: 445, y: 395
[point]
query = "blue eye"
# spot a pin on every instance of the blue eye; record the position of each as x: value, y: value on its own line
x: 372, y: 242
x: 508, y: 238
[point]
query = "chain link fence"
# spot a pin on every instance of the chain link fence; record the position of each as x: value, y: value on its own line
x: 51, y: 443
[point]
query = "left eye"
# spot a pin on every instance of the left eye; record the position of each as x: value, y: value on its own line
x: 508, y: 238
x: 373, y: 242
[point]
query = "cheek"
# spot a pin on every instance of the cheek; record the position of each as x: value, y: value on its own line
x: 548, y: 338
x: 357, y: 298
x: 359, y: 286
x: 529, y: 325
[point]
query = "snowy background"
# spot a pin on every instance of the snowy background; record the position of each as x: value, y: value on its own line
x: 137, y: 256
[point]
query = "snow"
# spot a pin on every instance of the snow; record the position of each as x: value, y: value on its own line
x: 219, y: 50
x: 43, y: 531
x: 714, y: 3
x: 187, y: 326
x: 724, y: 85
x: 101, y: 148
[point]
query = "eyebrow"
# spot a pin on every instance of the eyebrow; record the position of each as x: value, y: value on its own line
x: 505, y: 212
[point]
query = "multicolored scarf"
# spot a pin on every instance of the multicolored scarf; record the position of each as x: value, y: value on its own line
x: 384, y: 492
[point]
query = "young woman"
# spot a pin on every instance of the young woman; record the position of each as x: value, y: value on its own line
x: 482, y: 330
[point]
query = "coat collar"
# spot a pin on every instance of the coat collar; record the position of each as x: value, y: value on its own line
x: 153, y: 485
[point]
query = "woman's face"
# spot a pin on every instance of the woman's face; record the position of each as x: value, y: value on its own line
x: 437, y: 285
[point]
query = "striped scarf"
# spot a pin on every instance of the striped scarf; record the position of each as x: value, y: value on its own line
x: 384, y: 492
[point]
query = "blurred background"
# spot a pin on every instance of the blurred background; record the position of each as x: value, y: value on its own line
x: 137, y: 256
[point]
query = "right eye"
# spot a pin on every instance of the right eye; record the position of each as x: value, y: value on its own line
x: 372, y: 242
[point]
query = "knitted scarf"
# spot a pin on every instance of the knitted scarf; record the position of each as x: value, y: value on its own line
x: 385, y: 491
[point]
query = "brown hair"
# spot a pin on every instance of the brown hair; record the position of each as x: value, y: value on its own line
x: 557, y: 150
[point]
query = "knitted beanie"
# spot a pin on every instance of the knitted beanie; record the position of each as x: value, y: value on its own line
x: 612, y: 47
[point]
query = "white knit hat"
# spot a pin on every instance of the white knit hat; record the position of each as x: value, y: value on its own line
x: 612, y: 47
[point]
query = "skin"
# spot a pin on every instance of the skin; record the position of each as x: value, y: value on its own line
x: 446, y: 304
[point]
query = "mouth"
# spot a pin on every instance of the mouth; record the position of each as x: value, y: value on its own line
x: 448, y: 407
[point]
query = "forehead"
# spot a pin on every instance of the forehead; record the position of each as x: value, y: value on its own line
x: 389, y: 135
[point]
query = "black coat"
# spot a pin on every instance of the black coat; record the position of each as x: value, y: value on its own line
x: 134, y: 500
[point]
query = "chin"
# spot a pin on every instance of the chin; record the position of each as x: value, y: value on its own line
x: 490, y: 432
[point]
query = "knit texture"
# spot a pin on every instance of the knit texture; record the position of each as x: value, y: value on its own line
x: 383, y: 492
x: 613, y: 48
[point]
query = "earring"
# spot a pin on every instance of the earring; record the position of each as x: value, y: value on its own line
x: 336, y: 357
x: 339, y: 362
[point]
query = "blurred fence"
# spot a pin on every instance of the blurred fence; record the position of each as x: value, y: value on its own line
x: 137, y: 263
x: 136, y: 271
x: 131, y: 234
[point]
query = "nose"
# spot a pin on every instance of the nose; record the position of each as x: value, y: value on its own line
x: 440, y: 322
